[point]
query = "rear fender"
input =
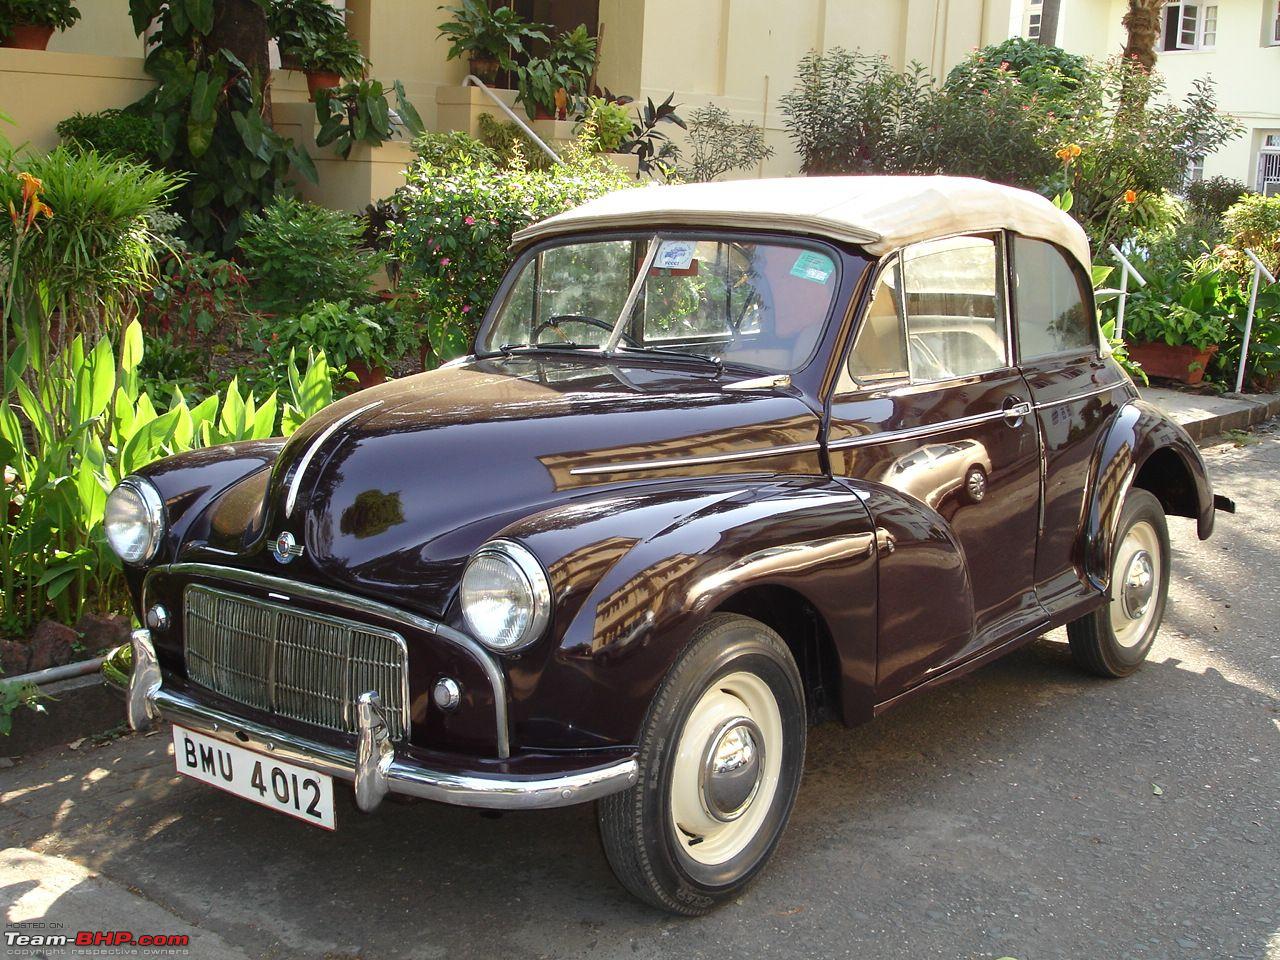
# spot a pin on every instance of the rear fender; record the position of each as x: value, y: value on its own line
x: 1143, y: 447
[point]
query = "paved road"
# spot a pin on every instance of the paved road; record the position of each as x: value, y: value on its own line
x: 1026, y: 811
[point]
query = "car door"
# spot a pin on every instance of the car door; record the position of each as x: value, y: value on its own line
x: 1074, y: 390
x: 929, y: 408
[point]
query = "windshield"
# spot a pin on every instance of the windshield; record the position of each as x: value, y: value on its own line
x: 740, y: 302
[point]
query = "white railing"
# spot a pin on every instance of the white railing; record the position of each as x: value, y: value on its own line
x: 472, y: 80
x: 1259, y: 271
x: 1127, y: 270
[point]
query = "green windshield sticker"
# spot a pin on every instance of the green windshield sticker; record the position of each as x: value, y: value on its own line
x: 814, y: 266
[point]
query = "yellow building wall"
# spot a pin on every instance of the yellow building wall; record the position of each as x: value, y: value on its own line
x: 104, y: 28
x: 742, y: 54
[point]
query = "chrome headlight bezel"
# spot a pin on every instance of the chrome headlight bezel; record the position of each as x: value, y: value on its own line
x: 153, y: 506
x: 525, y: 566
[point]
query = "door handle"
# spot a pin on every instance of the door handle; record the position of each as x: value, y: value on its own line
x: 1016, y: 410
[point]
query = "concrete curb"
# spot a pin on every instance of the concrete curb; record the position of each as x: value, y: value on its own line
x: 1207, y: 417
x: 77, y: 708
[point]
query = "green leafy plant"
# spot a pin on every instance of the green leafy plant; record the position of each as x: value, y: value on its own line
x: 511, y: 146
x: 15, y: 697
x: 717, y: 144
x: 656, y: 153
x: 1181, y: 304
x: 610, y: 123
x: 1208, y: 200
x: 500, y: 35
x: 1046, y: 71
x: 369, y: 334
x: 566, y: 67
x: 59, y: 14
x: 332, y: 52
x: 296, y: 253
x: 360, y: 113
x: 1253, y: 222
x: 196, y: 295
x: 538, y: 82
x: 209, y: 110
x: 298, y: 25
x: 452, y: 148
x: 454, y: 234
x: 119, y: 133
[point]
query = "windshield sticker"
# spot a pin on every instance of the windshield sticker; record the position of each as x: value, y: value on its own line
x: 810, y: 265
x: 675, y: 254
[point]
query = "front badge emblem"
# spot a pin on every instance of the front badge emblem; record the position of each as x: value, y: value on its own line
x: 284, y: 548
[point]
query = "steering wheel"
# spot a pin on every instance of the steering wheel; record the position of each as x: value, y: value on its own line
x: 554, y: 322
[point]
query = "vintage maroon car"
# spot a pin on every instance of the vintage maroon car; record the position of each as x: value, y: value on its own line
x: 727, y: 459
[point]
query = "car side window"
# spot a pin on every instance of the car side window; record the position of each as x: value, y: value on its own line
x: 955, y: 310
x: 880, y: 352
x: 1049, y: 301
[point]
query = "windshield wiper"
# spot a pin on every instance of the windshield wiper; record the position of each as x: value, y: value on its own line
x: 533, y: 347
x: 666, y: 352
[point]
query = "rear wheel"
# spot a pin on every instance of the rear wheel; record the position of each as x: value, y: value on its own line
x: 1115, y: 639
x: 721, y: 756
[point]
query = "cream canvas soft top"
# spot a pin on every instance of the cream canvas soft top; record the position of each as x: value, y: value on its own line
x: 881, y: 214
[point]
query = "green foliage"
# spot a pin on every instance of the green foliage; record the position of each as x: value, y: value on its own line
x: 453, y: 148
x: 374, y: 334
x: 118, y: 133
x: 208, y: 110
x: 70, y: 430
x: 359, y: 113
x: 477, y: 32
x: 655, y: 152
x: 511, y: 146
x: 1208, y: 200
x: 1254, y: 222
x: 453, y: 239
x: 305, y: 28
x: 15, y: 697
x: 567, y: 66
x: 332, y: 52
x: 90, y: 259
x: 59, y: 14
x: 718, y: 144
x: 297, y: 253
x: 1047, y: 72
x: 195, y: 295
x: 1183, y: 303
x: 610, y: 123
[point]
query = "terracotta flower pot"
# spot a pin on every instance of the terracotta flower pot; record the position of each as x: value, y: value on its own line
x: 28, y: 36
x: 1183, y: 363
x: 322, y: 80
x: 366, y: 376
x: 484, y: 69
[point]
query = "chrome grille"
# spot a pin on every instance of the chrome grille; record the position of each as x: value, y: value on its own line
x: 296, y: 664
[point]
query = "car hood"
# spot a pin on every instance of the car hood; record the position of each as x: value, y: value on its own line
x: 391, y: 489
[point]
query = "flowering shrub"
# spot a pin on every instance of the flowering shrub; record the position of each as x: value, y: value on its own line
x: 453, y: 236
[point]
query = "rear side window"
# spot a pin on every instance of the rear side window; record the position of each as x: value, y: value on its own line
x: 1050, y: 301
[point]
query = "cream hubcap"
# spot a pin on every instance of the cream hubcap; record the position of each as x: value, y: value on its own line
x: 726, y: 768
x: 1135, y: 578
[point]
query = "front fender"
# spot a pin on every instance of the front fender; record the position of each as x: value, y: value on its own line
x: 634, y: 572
x: 1138, y: 432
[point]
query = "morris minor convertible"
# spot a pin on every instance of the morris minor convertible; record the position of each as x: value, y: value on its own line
x: 726, y: 459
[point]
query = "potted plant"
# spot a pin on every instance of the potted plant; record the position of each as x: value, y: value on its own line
x: 329, y: 58
x: 489, y: 38
x: 1175, y: 323
x: 30, y: 24
x: 547, y: 84
x: 298, y: 24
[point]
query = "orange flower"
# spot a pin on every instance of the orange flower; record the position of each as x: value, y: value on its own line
x: 1068, y: 152
x: 1131, y: 196
x: 38, y: 208
x: 30, y: 186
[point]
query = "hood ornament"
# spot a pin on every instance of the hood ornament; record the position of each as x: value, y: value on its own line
x: 285, y: 548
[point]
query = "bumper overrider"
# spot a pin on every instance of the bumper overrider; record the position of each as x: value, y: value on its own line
x: 373, y: 767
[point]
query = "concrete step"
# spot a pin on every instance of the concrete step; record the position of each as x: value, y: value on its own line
x: 1206, y: 416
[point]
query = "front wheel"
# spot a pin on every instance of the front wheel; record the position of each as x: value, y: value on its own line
x: 1115, y: 639
x: 721, y: 755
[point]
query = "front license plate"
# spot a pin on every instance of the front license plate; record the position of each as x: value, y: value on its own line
x: 286, y: 787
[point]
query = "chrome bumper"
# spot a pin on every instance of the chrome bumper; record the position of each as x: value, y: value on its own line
x: 373, y: 767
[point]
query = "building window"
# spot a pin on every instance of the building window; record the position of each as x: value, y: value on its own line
x: 1189, y: 26
x: 1275, y: 23
x: 1195, y: 170
x: 1031, y: 26
x: 1269, y: 165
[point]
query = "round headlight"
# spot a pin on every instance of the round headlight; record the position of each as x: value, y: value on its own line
x: 506, y: 599
x: 134, y: 520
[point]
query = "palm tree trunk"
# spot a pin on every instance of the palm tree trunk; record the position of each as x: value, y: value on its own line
x: 1143, y: 22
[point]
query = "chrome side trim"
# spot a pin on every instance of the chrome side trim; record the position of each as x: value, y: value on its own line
x: 910, y: 433
x: 1080, y: 396
x: 296, y: 483
x: 778, y: 381
x: 497, y: 680
x: 697, y: 461
x: 373, y: 770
